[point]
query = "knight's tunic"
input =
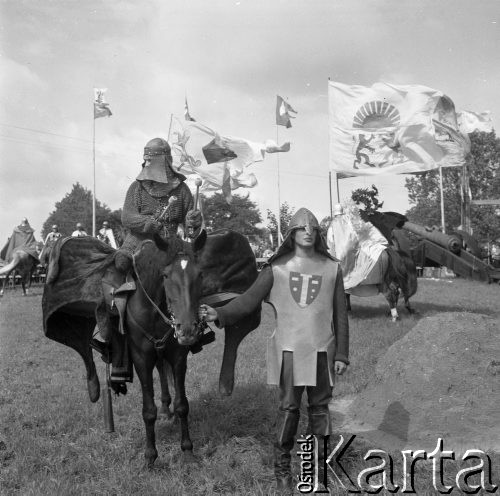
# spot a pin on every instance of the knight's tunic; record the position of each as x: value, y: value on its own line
x: 302, y: 296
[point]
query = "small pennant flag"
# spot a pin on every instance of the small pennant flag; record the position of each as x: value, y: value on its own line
x: 283, y: 109
x: 101, y: 108
x: 187, y: 115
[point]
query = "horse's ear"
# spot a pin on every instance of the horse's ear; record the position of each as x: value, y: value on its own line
x: 161, y: 243
x: 199, y: 241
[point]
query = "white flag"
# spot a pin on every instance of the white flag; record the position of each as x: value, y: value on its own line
x: 221, y: 161
x: 101, y: 108
x: 473, y: 121
x: 384, y: 129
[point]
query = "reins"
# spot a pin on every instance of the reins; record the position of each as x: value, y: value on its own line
x: 159, y: 344
x: 167, y: 320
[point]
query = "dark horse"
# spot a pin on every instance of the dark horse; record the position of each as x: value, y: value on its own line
x: 400, y: 276
x: 22, y: 262
x: 162, y: 314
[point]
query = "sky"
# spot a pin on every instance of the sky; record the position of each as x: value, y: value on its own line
x: 231, y: 59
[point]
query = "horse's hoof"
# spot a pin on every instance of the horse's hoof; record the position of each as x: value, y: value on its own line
x: 394, y: 319
x: 151, y: 455
x: 225, y: 389
x: 188, y: 458
x: 149, y: 465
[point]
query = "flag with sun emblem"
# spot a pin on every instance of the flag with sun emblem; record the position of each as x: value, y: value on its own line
x: 387, y: 128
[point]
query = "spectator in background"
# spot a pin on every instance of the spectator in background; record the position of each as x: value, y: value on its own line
x: 106, y: 235
x: 79, y: 231
x: 53, y: 235
x: 50, y: 241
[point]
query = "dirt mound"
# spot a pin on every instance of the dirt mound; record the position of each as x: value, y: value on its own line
x: 441, y: 380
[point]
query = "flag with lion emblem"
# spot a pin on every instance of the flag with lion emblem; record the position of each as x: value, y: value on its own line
x: 388, y: 128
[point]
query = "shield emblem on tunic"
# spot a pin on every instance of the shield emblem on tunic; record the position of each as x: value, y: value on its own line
x: 304, y: 288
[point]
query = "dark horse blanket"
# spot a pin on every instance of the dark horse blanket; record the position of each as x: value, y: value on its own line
x: 73, y: 287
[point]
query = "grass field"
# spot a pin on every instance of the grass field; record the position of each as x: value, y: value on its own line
x: 52, y: 439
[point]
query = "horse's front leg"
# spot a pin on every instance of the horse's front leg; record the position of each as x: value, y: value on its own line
x: 23, y: 286
x: 5, y: 282
x: 408, y: 306
x: 164, y: 371
x: 181, y: 405
x: 391, y: 293
x: 144, y: 364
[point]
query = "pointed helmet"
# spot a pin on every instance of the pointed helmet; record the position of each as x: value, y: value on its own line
x: 302, y: 219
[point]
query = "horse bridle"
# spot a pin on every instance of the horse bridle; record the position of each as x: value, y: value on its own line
x: 170, y: 321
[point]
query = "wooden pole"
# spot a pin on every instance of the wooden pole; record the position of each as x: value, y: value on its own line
x: 441, y: 194
x: 93, y: 174
x: 330, y: 187
x: 169, y: 127
x: 278, y: 218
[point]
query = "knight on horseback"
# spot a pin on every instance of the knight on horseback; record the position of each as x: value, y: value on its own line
x: 158, y: 202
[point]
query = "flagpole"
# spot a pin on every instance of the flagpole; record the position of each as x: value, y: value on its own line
x: 279, y: 200
x: 170, y: 127
x: 330, y: 188
x: 93, y: 189
x: 442, y: 198
x: 337, y: 187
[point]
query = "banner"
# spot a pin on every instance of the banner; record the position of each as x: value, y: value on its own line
x: 469, y: 122
x: 187, y: 115
x: 220, y: 161
x: 283, y: 109
x: 391, y: 129
x: 101, y: 108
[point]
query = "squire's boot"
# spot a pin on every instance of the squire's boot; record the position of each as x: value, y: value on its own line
x: 103, y: 348
x: 319, y: 423
x: 288, y: 422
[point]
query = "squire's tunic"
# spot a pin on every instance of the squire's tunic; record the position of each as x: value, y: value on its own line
x: 308, y: 298
x: 302, y: 296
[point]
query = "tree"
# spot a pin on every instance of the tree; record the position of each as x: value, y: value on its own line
x: 240, y: 215
x: 75, y: 207
x: 483, y: 165
x: 286, y: 213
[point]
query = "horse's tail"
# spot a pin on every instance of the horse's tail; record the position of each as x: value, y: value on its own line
x: 11, y: 265
x: 403, y: 269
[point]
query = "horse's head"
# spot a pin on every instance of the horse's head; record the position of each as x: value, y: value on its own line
x: 182, y: 281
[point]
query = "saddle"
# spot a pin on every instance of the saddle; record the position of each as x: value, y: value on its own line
x: 116, y: 287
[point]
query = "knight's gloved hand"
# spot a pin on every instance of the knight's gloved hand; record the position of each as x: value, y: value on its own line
x: 193, y: 223
x: 153, y: 225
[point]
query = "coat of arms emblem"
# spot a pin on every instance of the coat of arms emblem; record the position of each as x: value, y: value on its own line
x: 304, y: 288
